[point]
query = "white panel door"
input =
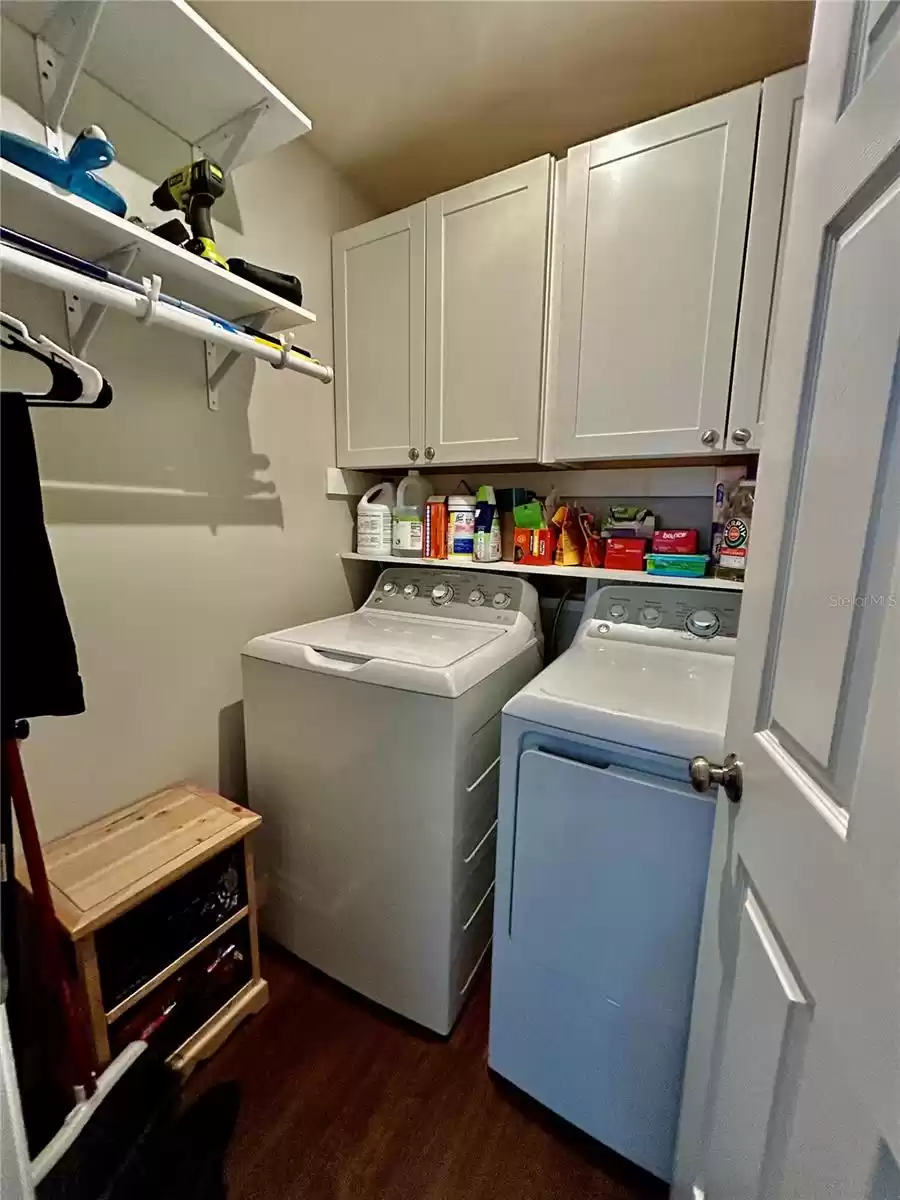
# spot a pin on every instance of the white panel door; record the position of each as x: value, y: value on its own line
x: 487, y: 264
x: 773, y: 182
x: 792, y: 1087
x: 654, y: 244
x: 379, y: 340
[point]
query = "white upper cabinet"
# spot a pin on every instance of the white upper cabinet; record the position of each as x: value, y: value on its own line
x: 776, y: 156
x: 379, y: 340
x: 486, y: 301
x: 655, y: 228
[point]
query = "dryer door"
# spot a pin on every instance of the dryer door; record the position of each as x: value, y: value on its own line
x: 608, y: 877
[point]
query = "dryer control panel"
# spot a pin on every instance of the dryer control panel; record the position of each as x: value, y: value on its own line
x: 465, y: 595
x: 703, y: 612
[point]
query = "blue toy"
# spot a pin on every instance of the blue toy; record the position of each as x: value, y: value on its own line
x: 90, y: 150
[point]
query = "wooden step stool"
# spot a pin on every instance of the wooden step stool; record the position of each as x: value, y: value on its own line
x: 155, y: 899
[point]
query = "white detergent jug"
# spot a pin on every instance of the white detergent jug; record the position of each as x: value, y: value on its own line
x: 373, y: 521
x: 409, y: 516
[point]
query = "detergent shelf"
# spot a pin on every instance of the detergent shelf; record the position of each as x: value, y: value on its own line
x: 167, y: 62
x: 601, y: 574
x: 33, y: 206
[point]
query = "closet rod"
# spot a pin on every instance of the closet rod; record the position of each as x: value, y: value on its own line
x: 147, y: 308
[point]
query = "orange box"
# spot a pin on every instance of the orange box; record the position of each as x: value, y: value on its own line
x: 535, y: 547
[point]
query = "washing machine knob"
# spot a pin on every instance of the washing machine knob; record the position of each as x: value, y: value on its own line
x: 389, y: 588
x: 476, y: 597
x: 702, y: 623
x: 501, y: 599
x: 618, y: 612
x: 650, y: 614
x: 411, y: 591
x: 441, y: 593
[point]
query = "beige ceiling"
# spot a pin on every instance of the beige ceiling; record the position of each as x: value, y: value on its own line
x: 411, y: 98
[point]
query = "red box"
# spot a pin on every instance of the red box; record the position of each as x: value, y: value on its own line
x: 535, y: 547
x: 625, y: 554
x: 675, y: 541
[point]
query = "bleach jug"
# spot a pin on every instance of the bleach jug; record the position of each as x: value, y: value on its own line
x: 409, y: 516
x: 373, y: 521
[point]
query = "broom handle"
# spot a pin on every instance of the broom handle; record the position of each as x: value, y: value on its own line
x: 80, y: 1057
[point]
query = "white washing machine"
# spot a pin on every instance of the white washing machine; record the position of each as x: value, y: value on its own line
x: 602, y: 857
x: 373, y: 753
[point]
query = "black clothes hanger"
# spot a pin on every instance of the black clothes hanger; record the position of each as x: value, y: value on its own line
x: 74, y: 384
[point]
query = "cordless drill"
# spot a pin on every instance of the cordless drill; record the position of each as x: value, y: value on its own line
x: 193, y: 190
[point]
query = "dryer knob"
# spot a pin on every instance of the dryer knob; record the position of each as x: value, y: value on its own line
x: 441, y: 593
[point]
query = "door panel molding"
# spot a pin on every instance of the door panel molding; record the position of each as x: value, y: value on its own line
x: 848, y: 415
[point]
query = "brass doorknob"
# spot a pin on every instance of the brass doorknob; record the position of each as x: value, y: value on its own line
x: 729, y: 776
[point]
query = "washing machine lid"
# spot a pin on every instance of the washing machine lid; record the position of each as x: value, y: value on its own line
x: 672, y: 701
x: 424, y: 641
x: 436, y: 655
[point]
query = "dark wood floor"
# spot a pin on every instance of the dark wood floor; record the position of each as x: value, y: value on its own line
x: 342, y: 1101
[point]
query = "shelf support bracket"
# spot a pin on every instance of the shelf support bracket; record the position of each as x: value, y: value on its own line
x: 217, y: 367
x: 82, y: 323
x: 224, y: 144
x: 61, y: 48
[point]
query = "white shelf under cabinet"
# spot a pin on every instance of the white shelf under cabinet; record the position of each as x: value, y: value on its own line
x: 163, y: 58
x: 599, y: 573
x: 33, y: 206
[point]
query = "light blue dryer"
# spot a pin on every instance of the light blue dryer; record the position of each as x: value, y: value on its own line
x: 602, y: 856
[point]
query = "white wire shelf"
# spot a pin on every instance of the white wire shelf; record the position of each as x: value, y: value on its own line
x: 511, y: 568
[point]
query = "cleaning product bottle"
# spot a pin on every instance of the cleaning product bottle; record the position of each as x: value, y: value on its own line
x: 373, y: 521
x: 735, y: 543
x: 487, y: 547
x: 408, y: 539
x: 460, y: 527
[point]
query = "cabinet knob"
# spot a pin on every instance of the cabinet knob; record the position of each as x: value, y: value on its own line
x: 741, y: 437
x: 429, y: 452
x: 709, y: 437
x: 413, y: 453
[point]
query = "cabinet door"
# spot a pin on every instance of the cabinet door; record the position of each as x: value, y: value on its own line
x: 487, y: 258
x: 776, y: 156
x: 656, y: 219
x: 379, y: 340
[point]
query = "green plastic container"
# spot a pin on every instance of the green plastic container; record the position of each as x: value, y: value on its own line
x: 677, y: 564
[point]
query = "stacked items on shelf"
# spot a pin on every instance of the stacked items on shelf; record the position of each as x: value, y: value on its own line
x: 127, y: 49
x: 513, y: 525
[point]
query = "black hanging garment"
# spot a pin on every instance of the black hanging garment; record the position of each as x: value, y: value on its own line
x: 37, y: 651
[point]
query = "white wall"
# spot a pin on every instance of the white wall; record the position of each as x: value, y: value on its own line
x: 180, y: 533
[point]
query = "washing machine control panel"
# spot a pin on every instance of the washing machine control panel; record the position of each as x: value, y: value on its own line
x: 467, y: 595
x: 698, y: 611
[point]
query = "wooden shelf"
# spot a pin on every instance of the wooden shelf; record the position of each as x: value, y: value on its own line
x: 163, y: 58
x: 145, y: 989
x: 206, y: 1041
x: 39, y: 209
x: 107, y: 868
x: 599, y: 573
